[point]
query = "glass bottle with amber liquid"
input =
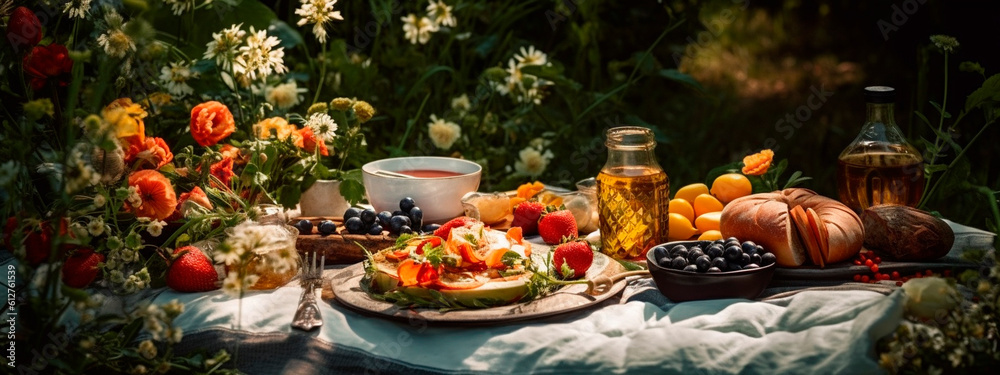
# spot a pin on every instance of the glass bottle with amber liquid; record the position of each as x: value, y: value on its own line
x: 632, y: 195
x: 880, y: 166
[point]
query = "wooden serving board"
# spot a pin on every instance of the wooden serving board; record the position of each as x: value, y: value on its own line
x: 340, y: 247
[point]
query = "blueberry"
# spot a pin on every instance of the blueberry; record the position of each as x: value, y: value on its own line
x: 683, y: 253
x: 664, y: 262
x: 767, y: 259
x: 733, y: 243
x: 744, y: 259
x: 678, y: 263
x: 713, y: 270
x: 351, y: 212
x: 416, y: 217
x: 760, y: 249
x: 355, y: 225
x: 704, y: 244
x: 732, y: 239
x: 694, y: 254
x: 326, y: 227
x: 383, y: 218
x: 749, y: 247
x: 398, y: 213
x: 720, y: 263
x: 734, y: 266
x: 659, y: 252
x: 428, y: 228
x: 750, y: 266
x: 304, y: 226
x: 703, y: 263
x: 714, y: 251
x: 368, y: 217
x: 733, y: 253
x: 755, y: 258
x: 405, y: 229
x: 691, y: 268
x: 375, y: 230
x: 407, y: 204
x: 719, y: 242
x: 396, y: 223
x: 676, y: 249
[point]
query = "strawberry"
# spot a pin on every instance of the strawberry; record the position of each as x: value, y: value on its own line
x: 526, y: 216
x: 573, y: 259
x: 192, y: 271
x: 80, y: 268
x: 557, y: 226
x: 457, y: 222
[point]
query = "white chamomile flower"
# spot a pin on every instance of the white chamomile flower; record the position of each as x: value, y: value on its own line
x: 322, y: 125
x: 77, y: 8
x: 532, y: 162
x: 175, y: 78
x: 418, y: 30
x: 318, y: 13
x: 441, y: 13
x: 224, y: 46
x: 531, y: 56
x: 116, y: 43
x: 443, y: 133
x: 259, y: 57
x: 180, y: 6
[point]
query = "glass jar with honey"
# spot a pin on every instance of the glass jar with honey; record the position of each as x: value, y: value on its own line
x: 632, y: 195
x: 880, y: 166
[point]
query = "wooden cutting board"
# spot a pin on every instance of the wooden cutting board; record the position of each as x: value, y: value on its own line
x: 340, y: 247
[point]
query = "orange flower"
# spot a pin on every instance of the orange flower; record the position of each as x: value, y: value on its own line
x: 195, y: 196
x: 153, y: 151
x: 757, y: 164
x: 308, y: 141
x: 158, y: 197
x: 222, y: 170
x: 126, y: 118
x: 211, y: 122
x: 274, y: 126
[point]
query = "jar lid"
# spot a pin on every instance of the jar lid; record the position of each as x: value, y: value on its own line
x: 880, y: 94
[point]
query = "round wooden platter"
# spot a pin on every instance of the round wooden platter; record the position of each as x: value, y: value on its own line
x: 340, y: 247
x: 347, y: 291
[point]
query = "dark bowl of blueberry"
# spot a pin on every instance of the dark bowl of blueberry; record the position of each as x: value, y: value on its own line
x: 698, y: 270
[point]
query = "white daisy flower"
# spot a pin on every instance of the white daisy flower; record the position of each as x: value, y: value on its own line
x: 532, y: 162
x: 322, y: 125
x: 224, y: 46
x: 285, y: 95
x: 418, y: 30
x: 175, y: 77
x: 77, y: 8
x: 441, y: 13
x: 531, y: 56
x: 180, y: 6
x: 319, y: 13
x: 116, y: 43
x: 443, y: 133
x: 259, y: 57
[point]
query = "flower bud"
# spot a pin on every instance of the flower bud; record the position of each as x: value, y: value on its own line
x: 317, y: 108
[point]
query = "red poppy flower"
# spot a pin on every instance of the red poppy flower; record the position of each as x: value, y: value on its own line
x: 46, y: 63
x: 151, y: 152
x: 308, y: 141
x: 222, y: 170
x: 196, y: 196
x: 23, y: 29
x: 158, y: 197
x: 211, y: 122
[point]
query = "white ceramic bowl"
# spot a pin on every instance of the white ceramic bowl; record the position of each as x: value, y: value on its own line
x: 440, y: 198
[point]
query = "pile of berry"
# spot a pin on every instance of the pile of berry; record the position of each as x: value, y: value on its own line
x: 872, y: 261
x: 325, y: 227
x: 713, y: 256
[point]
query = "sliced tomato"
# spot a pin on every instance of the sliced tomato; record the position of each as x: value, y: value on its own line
x: 433, y: 242
x: 469, y: 254
x: 428, y: 274
x: 408, y: 271
x: 398, y: 254
x: 461, y: 283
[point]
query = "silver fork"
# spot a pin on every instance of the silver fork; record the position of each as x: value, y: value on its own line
x: 307, y: 314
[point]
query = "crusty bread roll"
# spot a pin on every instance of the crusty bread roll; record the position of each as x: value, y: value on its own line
x: 823, y: 230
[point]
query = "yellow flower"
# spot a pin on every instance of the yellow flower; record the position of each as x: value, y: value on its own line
x: 36, y: 109
x: 274, y: 126
x: 156, y: 100
x: 341, y: 104
x: 364, y: 111
x: 317, y: 108
x: 126, y: 118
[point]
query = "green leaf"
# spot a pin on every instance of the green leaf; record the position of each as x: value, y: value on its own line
x: 510, y: 258
x: 289, y: 195
x: 940, y: 109
x: 989, y: 92
x: 721, y: 170
x: 972, y: 67
x: 352, y: 190
x: 930, y: 169
x: 676, y: 76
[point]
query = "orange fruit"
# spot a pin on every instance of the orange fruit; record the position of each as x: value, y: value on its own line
x: 680, y: 228
x: 689, y: 192
x: 730, y: 186
x: 683, y: 207
x: 708, y: 221
x: 711, y: 235
x: 705, y: 203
